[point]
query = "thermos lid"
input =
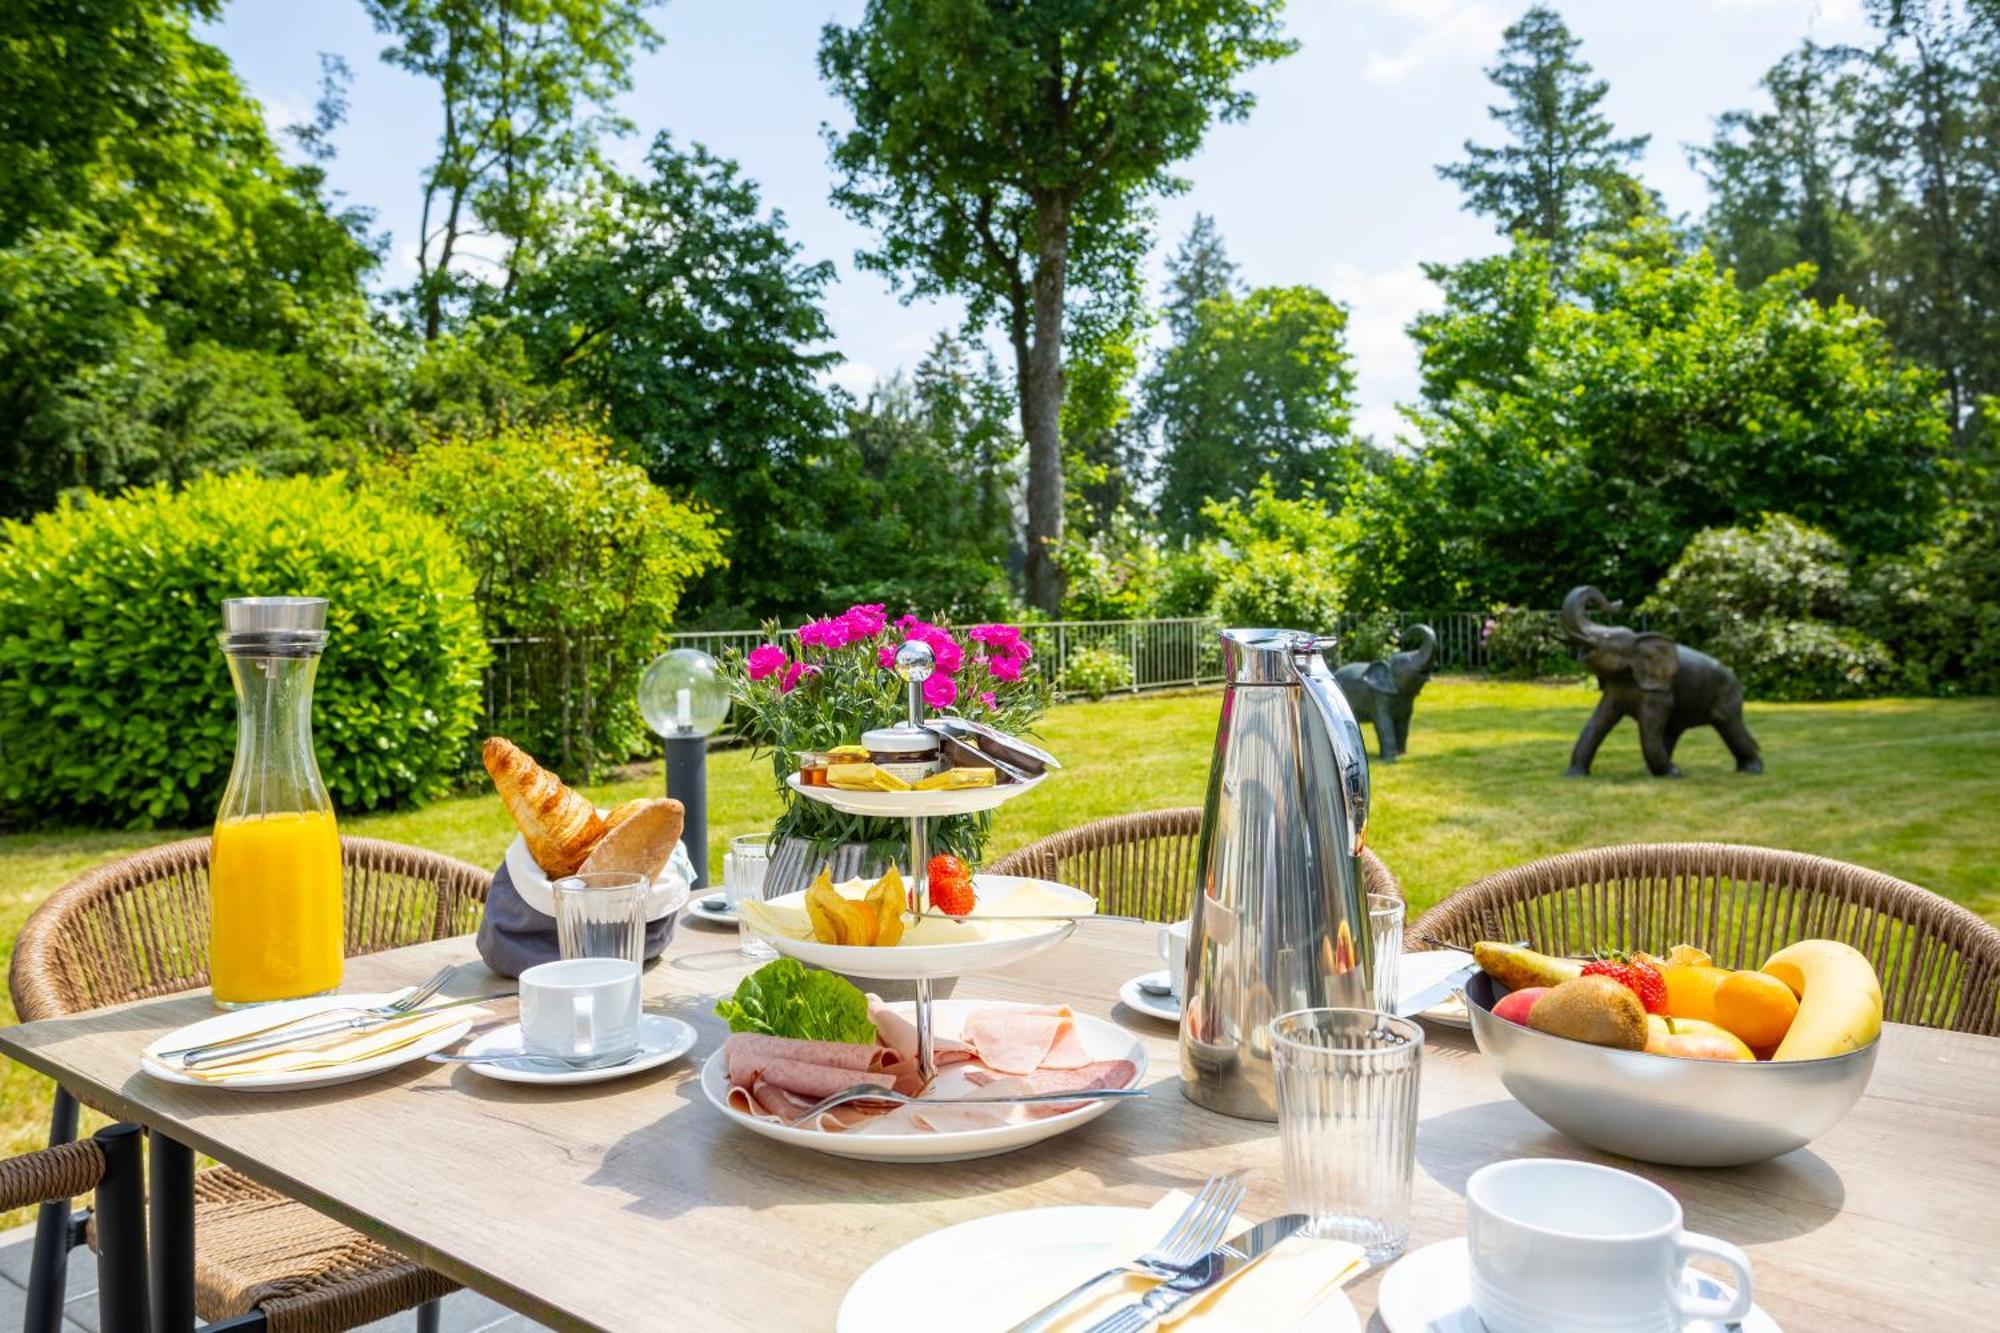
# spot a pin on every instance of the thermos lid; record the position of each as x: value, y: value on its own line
x: 1267, y: 656
x: 273, y: 626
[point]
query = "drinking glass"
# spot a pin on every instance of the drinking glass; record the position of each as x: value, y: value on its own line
x: 744, y: 866
x: 602, y: 915
x: 1347, y: 1122
x: 1385, y: 927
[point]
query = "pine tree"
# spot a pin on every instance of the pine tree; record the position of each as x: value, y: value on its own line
x: 1200, y: 270
x: 1563, y: 175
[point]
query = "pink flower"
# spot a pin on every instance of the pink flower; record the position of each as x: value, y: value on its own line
x: 795, y: 673
x: 1004, y: 668
x: 764, y: 659
x: 992, y: 704
x: 865, y: 621
x: 998, y: 638
x: 945, y: 650
x: 940, y: 691
x: 885, y: 656
x: 828, y: 633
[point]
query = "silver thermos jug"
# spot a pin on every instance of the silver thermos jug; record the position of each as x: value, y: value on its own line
x: 1280, y: 918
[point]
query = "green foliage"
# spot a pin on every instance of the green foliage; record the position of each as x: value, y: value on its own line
x: 1771, y: 602
x: 785, y: 998
x: 1369, y: 636
x: 1113, y: 575
x: 1188, y: 580
x: 115, y: 702
x: 1526, y: 644
x: 1258, y: 387
x: 1005, y: 154
x: 1564, y: 174
x: 1653, y: 399
x: 1096, y: 671
x: 1282, y: 561
x: 1938, y: 605
x: 575, y: 553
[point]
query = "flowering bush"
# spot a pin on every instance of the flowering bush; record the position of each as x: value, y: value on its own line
x: 1524, y: 644
x: 833, y: 679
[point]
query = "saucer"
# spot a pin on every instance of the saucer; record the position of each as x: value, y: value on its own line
x: 660, y: 1039
x: 1166, y: 1008
x: 1430, y: 1291
x: 712, y: 908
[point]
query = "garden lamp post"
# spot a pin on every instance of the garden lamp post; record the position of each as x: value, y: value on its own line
x: 684, y: 699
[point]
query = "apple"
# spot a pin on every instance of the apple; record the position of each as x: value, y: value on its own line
x: 1515, y: 1004
x: 1692, y: 1039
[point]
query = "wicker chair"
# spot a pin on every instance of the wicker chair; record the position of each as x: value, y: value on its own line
x: 1939, y: 963
x: 111, y: 1163
x: 138, y: 927
x: 1140, y: 865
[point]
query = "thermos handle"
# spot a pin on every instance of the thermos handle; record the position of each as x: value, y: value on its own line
x: 1342, y: 730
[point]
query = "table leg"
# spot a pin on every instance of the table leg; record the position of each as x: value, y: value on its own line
x: 121, y: 1232
x: 172, y: 1174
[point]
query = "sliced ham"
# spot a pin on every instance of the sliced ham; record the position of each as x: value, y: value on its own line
x: 749, y: 1052
x: 899, y: 1035
x: 1020, y: 1041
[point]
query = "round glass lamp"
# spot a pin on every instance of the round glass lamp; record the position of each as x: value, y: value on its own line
x: 684, y: 699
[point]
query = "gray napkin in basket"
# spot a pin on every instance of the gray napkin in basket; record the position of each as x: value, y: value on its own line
x: 513, y: 936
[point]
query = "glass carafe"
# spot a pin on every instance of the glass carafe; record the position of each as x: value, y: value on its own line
x: 275, y: 919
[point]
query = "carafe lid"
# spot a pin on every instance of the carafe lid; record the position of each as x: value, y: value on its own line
x: 1267, y: 656
x: 273, y: 626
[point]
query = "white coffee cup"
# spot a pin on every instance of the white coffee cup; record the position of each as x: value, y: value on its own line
x: 579, y: 1008
x: 1570, y: 1247
x: 1173, y: 949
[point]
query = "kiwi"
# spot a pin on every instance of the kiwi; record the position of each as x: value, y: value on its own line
x: 1593, y: 1009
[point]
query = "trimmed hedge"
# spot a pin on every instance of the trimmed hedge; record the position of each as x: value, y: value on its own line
x: 115, y: 703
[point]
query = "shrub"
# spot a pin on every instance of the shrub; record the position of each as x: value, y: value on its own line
x: 1096, y: 672
x: 1281, y: 563
x: 1188, y: 580
x: 1369, y: 636
x: 1938, y: 608
x: 1524, y: 644
x: 1112, y: 575
x: 114, y: 701
x: 580, y: 560
x: 1772, y: 602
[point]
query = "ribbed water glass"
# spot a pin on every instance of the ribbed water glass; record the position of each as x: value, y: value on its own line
x: 601, y: 915
x: 744, y: 867
x: 1385, y: 927
x: 1347, y: 1122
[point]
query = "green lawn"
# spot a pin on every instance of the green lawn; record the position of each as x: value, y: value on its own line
x: 1907, y: 786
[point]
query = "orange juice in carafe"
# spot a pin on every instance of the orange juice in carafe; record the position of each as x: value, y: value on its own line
x: 275, y: 915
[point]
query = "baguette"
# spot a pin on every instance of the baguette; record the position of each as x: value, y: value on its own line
x: 559, y: 824
x: 644, y: 837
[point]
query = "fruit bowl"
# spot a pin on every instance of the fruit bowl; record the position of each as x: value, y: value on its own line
x: 1657, y: 1108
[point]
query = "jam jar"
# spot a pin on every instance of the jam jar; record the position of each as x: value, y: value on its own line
x: 910, y: 753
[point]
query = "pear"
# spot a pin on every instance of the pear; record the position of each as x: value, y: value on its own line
x: 1516, y: 968
x: 1594, y: 1009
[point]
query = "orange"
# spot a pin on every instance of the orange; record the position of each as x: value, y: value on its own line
x: 1756, y: 1006
x: 1691, y: 990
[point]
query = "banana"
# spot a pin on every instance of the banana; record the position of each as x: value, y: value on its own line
x: 1840, y: 999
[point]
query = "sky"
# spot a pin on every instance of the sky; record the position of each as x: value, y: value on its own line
x: 1330, y: 180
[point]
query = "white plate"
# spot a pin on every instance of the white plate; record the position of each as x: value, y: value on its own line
x: 908, y: 804
x: 1450, y: 1014
x: 660, y: 1039
x: 699, y: 910
x: 899, y: 962
x: 1104, y: 1041
x: 1430, y: 1291
x: 954, y: 1274
x: 1166, y: 1008
x: 237, y: 1022
x: 1423, y: 982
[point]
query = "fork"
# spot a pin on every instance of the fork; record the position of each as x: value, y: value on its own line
x: 1194, y: 1233
x: 396, y: 1008
x: 875, y: 1092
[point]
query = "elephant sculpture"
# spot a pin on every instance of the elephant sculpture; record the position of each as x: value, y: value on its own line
x: 1386, y: 691
x: 1665, y: 686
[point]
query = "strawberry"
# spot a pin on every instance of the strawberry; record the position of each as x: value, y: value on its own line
x: 1641, y: 978
x: 950, y: 886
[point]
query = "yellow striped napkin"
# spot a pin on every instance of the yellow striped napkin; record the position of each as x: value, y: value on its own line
x: 342, y: 1048
x: 1275, y: 1294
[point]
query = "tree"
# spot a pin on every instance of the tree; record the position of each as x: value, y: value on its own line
x: 1259, y: 387
x: 523, y: 85
x: 1201, y: 270
x: 1005, y: 153
x: 1564, y: 173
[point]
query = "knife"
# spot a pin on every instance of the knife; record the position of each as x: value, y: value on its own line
x: 229, y: 1050
x: 1168, y: 1301
x: 1409, y: 1006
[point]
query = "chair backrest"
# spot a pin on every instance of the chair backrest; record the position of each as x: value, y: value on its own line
x: 1140, y: 865
x: 138, y: 927
x: 1939, y: 963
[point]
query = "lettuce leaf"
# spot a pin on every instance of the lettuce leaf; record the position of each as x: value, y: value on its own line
x: 788, y: 999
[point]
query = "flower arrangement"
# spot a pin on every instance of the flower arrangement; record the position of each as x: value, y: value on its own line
x: 833, y: 679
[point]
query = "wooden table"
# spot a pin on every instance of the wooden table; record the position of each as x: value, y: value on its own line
x: 635, y: 1205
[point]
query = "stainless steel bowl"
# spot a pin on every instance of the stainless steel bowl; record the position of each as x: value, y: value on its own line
x: 1660, y: 1109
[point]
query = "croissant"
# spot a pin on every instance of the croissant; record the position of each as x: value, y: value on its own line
x: 560, y: 826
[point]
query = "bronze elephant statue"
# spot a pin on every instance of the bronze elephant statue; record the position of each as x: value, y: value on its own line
x: 1665, y: 686
x: 1386, y: 691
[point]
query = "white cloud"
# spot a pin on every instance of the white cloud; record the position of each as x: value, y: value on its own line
x: 1381, y: 303
x: 1832, y: 13
x: 857, y: 377
x: 1443, y: 30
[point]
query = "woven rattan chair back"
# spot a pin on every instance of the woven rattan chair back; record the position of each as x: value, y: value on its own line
x: 138, y: 927
x: 1939, y: 963
x: 1140, y: 865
